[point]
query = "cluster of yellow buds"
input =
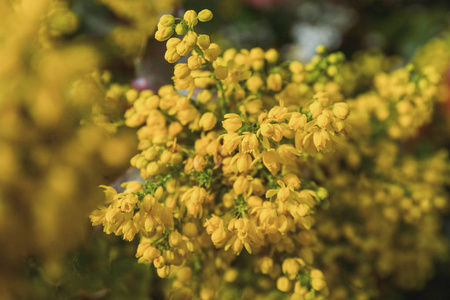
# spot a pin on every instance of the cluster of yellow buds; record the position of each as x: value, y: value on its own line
x: 221, y: 166
x: 396, y: 200
x: 238, y: 155
x: 56, y: 126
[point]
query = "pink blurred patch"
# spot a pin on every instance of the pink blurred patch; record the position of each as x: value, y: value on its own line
x: 142, y: 83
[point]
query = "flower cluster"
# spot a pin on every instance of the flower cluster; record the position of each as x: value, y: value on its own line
x: 221, y: 152
x: 237, y: 157
x: 59, y: 138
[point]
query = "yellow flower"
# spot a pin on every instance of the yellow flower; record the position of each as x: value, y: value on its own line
x: 172, y: 43
x: 221, y: 72
x: 191, y: 39
x: 244, y: 161
x: 150, y: 253
x: 231, y: 141
x: 284, y: 284
x: 250, y: 143
x: 181, y: 29
x: 203, y: 41
x: 232, y: 122
x: 341, y: 110
x: 216, y: 228
x: 254, y: 83
x: 193, y: 199
x: 267, y: 129
x: 241, y: 185
x: 291, y: 267
x: 274, y: 82
x: 323, y: 121
x: 245, y: 234
x: 265, y: 265
x: 182, y: 49
x: 175, y: 239
x: 283, y: 193
x: 270, y: 161
x: 212, y: 52
x: 271, y: 55
x: 164, y: 34
x: 182, y: 71
x: 205, y: 15
x: 191, y: 17
x: 208, y: 121
x: 167, y: 20
x: 316, y: 109
x: 171, y: 55
x: 194, y: 62
x: 297, y: 121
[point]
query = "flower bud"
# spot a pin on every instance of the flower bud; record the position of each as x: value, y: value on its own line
x: 190, y: 38
x: 318, y: 284
x: 297, y: 121
x: 322, y: 193
x: 203, y: 41
x: 227, y: 200
x: 241, y: 185
x: 206, y: 293
x: 284, y: 194
x: 316, y: 109
x: 290, y: 266
x: 341, y: 110
x: 244, y: 162
x: 208, y: 121
x: 205, y: 15
x: 323, y: 121
x: 302, y: 210
x: 266, y: 265
x: 172, y: 42
x: 181, y: 29
x: 338, y: 125
x: 181, y: 71
x: 254, y: 201
x: 163, y: 272
x: 284, y: 284
x: 296, y: 67
x: 274, y: 82
x: 250, y: 143
x: 321, y: 49
x: 171, y: 55
x: 254, y: 83
x: 183, y: 48
x: 213, y: 52
x: 174, y: 128
x: 204, y: 96
x: 267, y: 129
x: 175, y: 239
x: 190, y: 230
x: 164, y: 34
x: 151, y: 253
x: 167, y: 20
x: 270, y: 161
x: 232, y: 122
x: 194, y: 62
x: 271, y: 55
x: 221, y: 72
x: 159, y: 262
x: 199, y: 163
x: 190, y: 16
x: 152, y: 168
